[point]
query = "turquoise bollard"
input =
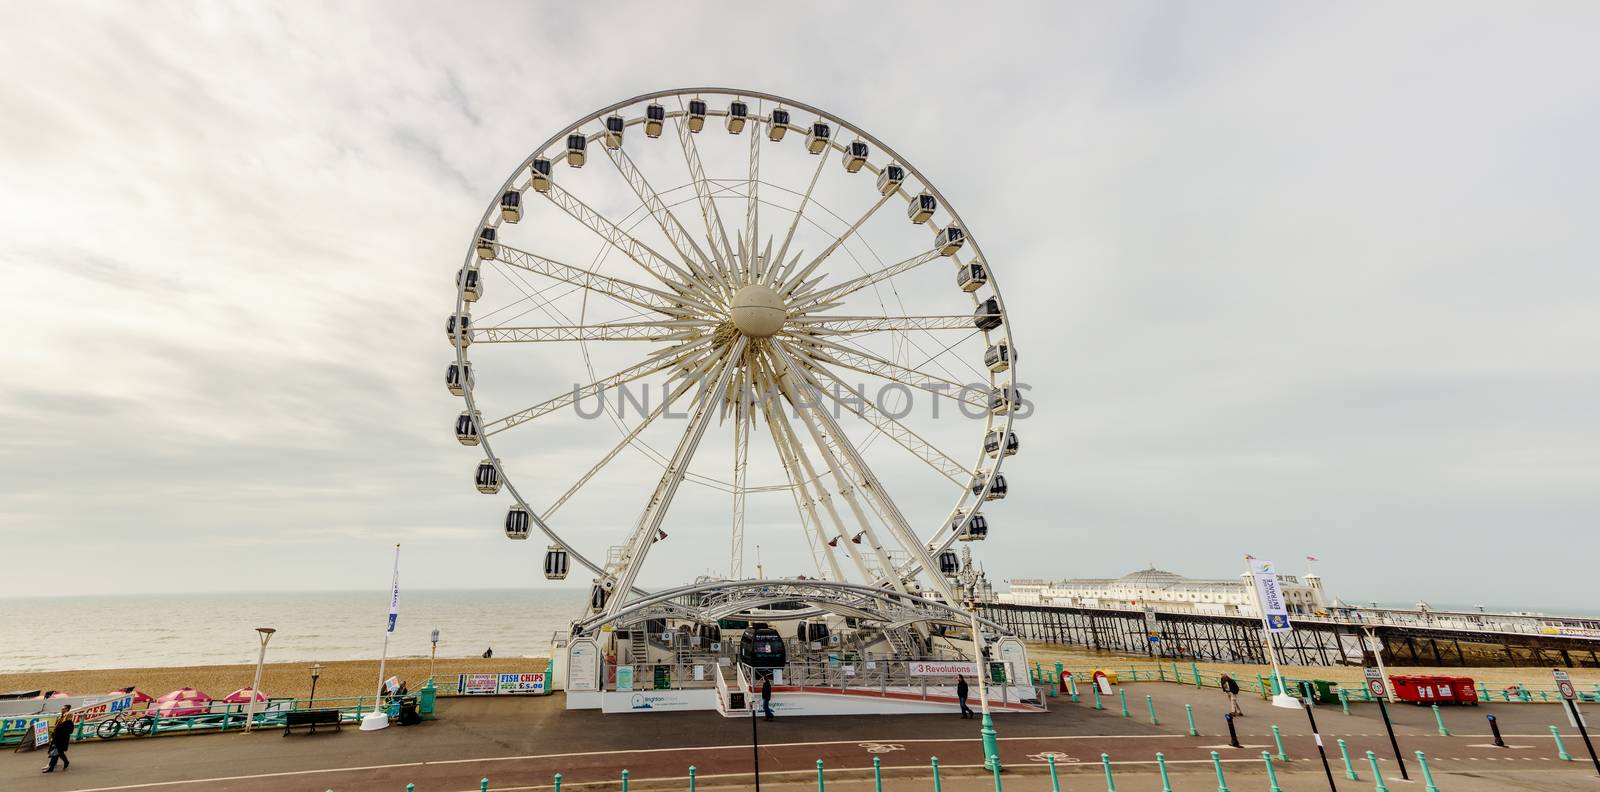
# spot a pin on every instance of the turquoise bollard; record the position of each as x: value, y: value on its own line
x: 877, y: 774
x: 1055, y: 780
x: 1427, y: 774
x: 1188, y: 709
x: 1150, y: 702
x: 558, y: 782
x: 935, y: 761
x: 1122, y: 693
x: 1222, y: 783
x: 1439, y: 719
x: 1277, y: 738
x: 1561, y: 749
x: 1377, y: 774
x: 624, y: 779
x: 1349, y: 769
x: 1096, y: 690
x: 994, y: 767
x: 1272, y: 774
x: 1344, y: 700
x: 483, y: 785
x: 1111, y: 784
x: 1166, y: 781
x: 820, y: 787
x: 691, y: 778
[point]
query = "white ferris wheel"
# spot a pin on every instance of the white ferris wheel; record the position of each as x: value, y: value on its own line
x: 701, y: 310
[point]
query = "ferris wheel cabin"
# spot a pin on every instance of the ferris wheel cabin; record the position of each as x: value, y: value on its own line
x: 615, y: 126
x: 992, y: 444
x: 511, y: 206
x: 738, y: 113
x: 486, y: 247
x: 469, y: 281
x: 998, y: 357
x: 855, y: 156
x: 577, y: 150
x: 655, y: 116
x: 778, y: 125
x: 555, y: 563
x: 921, y: 208
x: 456, y: 328
x: 517, y: 523
x: 972, y: 276
x: 817, y: 138
x: 890, y: 179
x: 540, y: 170
x: 487, y: 477
x: 467, y: 429
x: 458, y: 377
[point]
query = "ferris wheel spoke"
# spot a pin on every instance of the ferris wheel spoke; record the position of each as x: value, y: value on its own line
x: 802, y: 396
x: 942, y: 463
x: 751, y: 202
x: 806, y: 506
x: 789, y: 447
x: 844, y: 325
x: 616, y: 288
x: 677, y: 330
x: 700, y: 266
x: 633, y: 435
x: 645, y: 535
x: 797, y: 279
x: 777, y: 270
x: 819, y: 300
x: 870, y: 485
x: 681, y: 356
x: 822, y: 349
x: 702, y: 190
x: 665, y: 271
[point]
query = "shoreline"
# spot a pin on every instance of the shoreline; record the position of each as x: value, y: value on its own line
x: 339, y: 678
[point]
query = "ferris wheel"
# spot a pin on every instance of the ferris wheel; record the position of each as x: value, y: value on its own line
x: 737, y: 300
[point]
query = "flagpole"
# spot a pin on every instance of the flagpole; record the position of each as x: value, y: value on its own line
x: 1266, y: 632
x: 394, y: 611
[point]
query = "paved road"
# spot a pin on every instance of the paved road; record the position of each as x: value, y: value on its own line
x: 524, y: 742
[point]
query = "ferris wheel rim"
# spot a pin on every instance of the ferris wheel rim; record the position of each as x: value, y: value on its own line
x: 942, y: 536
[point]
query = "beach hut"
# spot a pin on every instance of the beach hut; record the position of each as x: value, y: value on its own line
x: 181, y: 702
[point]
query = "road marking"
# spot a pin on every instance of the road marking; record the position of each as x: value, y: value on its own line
x: 742, y: 747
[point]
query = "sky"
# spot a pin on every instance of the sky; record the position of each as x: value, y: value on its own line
x: 1289, y: 279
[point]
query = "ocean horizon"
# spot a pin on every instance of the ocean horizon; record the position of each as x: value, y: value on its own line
x: 82, y: 632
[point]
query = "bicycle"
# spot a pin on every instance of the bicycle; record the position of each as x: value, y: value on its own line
x: 137, y: 726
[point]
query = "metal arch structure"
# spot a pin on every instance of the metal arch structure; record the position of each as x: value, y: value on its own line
x: 685, y: 298
x: 724, y: 598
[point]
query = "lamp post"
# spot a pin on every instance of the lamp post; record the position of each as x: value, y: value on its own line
x: 433, y: 655
x: 991, y: 746
x: 316, y: 671
x: 265, y: 633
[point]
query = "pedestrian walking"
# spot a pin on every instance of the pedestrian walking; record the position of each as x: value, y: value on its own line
x: 60, y: 739
x: 1230, y: 687
x: 766, y: 694
x: 961, y: 695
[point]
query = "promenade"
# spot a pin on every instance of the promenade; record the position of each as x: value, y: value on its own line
x: 521, y: 743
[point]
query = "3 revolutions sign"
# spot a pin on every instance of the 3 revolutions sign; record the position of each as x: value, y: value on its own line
x: 942, y: 668
x: 1274, y: 612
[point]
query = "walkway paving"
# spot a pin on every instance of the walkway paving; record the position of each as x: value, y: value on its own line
x: 523, y: 742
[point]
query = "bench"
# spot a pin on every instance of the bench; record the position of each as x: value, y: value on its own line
x: 311, y: 719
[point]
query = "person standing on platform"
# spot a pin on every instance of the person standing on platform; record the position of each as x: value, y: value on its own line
x: 1230, y: 687
x: 961, y: 695
x: 766, y: 694
x: 60, y: 740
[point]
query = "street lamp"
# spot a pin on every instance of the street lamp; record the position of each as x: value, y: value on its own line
x: 265, y: 633
x: 991, y: 746
x: 316, y: 671
x: 434, y: 654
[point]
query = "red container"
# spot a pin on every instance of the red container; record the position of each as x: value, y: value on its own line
x: 1466, y: 690
x: 1415, y: 689
x: 1444, y: 690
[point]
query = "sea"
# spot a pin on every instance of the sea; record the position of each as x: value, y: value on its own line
x: 134, y: 631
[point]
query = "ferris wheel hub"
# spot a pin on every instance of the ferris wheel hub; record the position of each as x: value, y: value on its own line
x: 758, y: 311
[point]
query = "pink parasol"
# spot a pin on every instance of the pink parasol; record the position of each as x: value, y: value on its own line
x: 243, y: 696
x: 185, y: 701
x: 141, y: 699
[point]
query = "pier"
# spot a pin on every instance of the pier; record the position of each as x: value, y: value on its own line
x: 1421, y: 637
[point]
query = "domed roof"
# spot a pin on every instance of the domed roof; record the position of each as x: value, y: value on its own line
x: 1149, y: 578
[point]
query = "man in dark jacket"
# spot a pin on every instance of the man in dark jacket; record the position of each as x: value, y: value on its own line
x: 961, y: 695
x: 60, y: 739
x: 766, y: 695
x: 1231, y: 687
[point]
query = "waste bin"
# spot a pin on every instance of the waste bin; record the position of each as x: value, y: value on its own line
x: 1327, y: 692
x: 1466, y: 690
x: 1444, y: 690
x: 1414, y: 689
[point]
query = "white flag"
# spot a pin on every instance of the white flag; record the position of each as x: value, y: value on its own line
x: 394, y: 592
x: 1273, y: 610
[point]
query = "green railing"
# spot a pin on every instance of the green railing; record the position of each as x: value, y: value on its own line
x: 1265, y: 686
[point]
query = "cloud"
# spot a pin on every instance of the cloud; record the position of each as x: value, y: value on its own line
x: 1283, y: 280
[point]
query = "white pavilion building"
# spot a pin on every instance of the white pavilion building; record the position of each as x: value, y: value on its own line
x: 1167, y: 592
